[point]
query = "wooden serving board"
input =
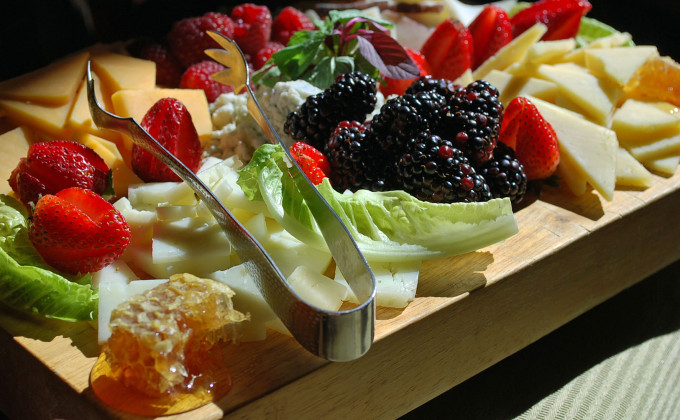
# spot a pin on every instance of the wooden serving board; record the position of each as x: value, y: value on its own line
x: 471, y: 311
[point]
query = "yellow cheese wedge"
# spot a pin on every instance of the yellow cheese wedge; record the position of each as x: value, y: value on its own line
x: 618, y: 64
x: 542, y: 52
x: 637, y: 123
x: 123, y: 176
x: 80, y: 117
x: 136, y: 103
x: 578, y: 56
x: 14, y: 144
x: 597, y: 98
x: 512, y: 52
x: 511, y: 86
x: 54, y: 85
x: 118, y: 71
x: 666, y: 166
x: 630, y: 172
x: 585, y: 147
x: 50, y: 119
x: 659, y: 149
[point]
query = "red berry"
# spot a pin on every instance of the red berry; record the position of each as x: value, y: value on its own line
x: 51, y: 166
x: 399, y: 86
x: 532, y: 137
x: 490, y: 31
x: 265, y: 54
x: 197, y: 76
x: 188, y: 38
x: 289, y: 21
x: 77, y: 231
x: 312, y: 161
x: 562, y: 17
x: 168, y: 69
x: 252, y: 27
x: 448, y: 50
x: 169, y: 122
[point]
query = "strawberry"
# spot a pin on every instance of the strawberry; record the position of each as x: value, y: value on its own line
x: 52, y: 166
x: 532, y: 137
x: 399, y: 86
x: 252, y: 27
x: 197, y: 76
x: 562, y: 17
x: 448, y: 50
x: 312, y: 162
x: 168, y: 69
x: 490, y: 30
x: 289, y: 21
x: 265, y: 53
x: 188, y: 38
x: 77, y: 231
x: 169, y: 122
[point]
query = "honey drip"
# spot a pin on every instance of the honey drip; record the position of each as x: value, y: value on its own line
x: 163, y: 356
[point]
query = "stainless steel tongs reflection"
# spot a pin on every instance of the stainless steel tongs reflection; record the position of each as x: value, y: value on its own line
x: 334, y: 335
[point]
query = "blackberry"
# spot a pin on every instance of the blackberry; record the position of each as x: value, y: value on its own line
x: 351, y: 97
x: 402, y: 118
x: 354, y: 163
x: 505, y: 174
x: 473, y: 120
x: 444, y: 87
x: 431, y: 169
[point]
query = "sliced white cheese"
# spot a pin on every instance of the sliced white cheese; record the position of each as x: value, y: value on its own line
x: 317, y: 289
x: 511, y: 86
x: 618, y: 64
x: 630, y: 172
x: 659, y: 149
x: 637, y: 123
x: 542, y: 52
x: 666, y: 166
x: 396, y: 283
x: 511, y: 52
x: 585, y: 147
x: 614, y: 40
x: 591, y: 94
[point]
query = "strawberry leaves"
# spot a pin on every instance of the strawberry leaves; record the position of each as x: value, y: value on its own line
x: 346, y: 41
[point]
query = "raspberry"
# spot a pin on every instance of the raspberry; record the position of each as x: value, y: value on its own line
x: 264, y: 54
x: 168, y: 69
x: 188, y: 38
x: 289, y: 21
x: 252, y: 27
x: 197, y: 76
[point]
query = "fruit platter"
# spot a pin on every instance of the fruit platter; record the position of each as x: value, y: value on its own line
x: 502, y: 168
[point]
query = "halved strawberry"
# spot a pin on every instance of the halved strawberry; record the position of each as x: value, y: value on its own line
x: 490, y: 30
x: 562, y: 17
x: 311, y: 161
x: 448, y: 50
x: 399, y: 86
x: 532, y: 137
x: 51, y: 166
x: 169, y: 122
x: 77, y: 231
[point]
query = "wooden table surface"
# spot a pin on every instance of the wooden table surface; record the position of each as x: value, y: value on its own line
x: 471, y: 311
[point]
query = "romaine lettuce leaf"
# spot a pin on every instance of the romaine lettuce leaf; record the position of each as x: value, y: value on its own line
x: 26, y: 281
x: 387, y: 226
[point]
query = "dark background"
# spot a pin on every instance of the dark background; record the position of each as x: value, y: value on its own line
x: 36, y: 32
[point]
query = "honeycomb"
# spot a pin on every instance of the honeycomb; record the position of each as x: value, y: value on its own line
x: 656, y: 80
x: 166, y: 338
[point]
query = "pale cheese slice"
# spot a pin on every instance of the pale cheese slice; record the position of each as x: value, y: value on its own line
x: 597, y: 98
x: 637, y: 123
x: 542, y: 52
x: 465, y: 78
x: 666, y: 166
x: 618, y: 64
x: 630, y: 172
x: 585, y: 147
x: 578, y: 56
x: 663, y: 148
x: 511, y: 52
x: 136, y: 102
x: 511, y: 86
x: 15, y: 144
x: 53, y: 85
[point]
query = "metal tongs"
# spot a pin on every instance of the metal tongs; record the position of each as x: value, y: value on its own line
x: 333, y: 335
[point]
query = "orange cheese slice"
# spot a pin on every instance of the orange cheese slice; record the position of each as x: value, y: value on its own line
x: 119, y: 71
x: 50, y: 119
x: 136, y: 103
x: 123, y: 176
x: 53, y: 85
